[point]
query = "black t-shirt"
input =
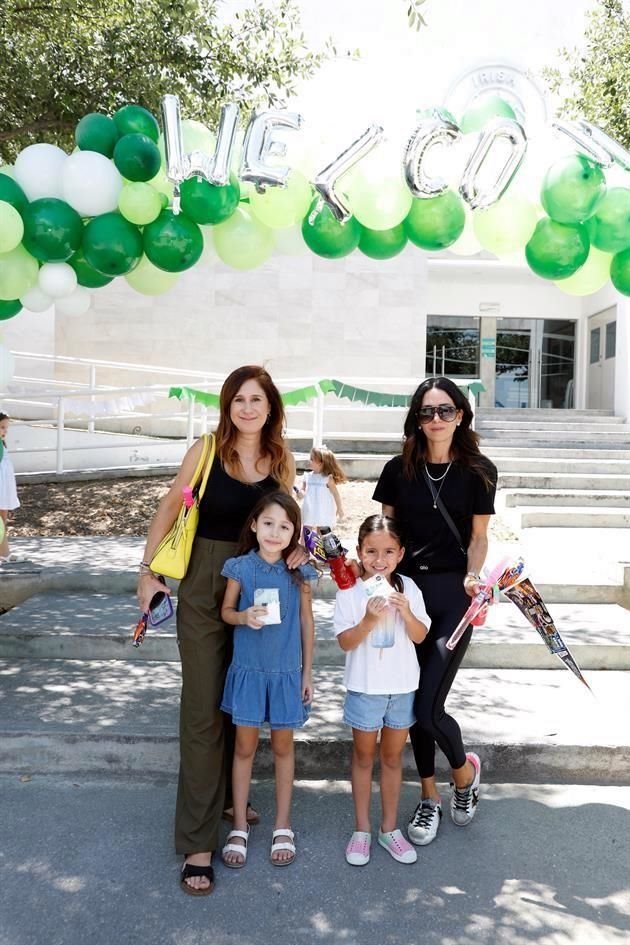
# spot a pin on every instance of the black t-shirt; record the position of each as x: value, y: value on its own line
x: 429, y: 542
x: 227, y: 502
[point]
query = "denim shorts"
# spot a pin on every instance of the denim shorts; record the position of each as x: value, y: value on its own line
x: 369, y: 712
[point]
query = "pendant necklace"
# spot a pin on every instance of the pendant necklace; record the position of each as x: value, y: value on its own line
x: 436, y: 495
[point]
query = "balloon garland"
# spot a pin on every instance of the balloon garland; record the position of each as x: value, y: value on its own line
x: 136, y: 203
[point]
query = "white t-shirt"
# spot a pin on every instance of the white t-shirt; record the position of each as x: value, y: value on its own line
x: 377, y: 670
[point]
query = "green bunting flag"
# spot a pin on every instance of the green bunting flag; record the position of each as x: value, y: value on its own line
x: 303, y: 395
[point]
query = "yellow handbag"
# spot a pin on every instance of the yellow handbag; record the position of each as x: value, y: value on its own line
x: 173, y: 553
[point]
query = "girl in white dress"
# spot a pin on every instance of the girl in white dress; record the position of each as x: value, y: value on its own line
x: 8, y: 492
x: 322, y: 502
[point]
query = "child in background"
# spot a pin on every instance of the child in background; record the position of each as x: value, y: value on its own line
x: 322, y: 502
x: 377, y: 623
x: 8, y: 492
x: 270, y: 677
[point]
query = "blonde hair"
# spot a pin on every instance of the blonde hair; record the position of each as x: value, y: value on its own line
x: 330, y: 466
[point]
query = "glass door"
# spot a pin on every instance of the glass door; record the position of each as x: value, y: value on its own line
x: 535, y: 363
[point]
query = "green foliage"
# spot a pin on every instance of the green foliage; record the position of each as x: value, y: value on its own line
x: 595, y: 81
x: 61, y: 59
x: 414, y: 15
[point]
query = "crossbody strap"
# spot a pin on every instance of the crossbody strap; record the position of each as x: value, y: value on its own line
x: 444, y: 511
x: 212, y: 446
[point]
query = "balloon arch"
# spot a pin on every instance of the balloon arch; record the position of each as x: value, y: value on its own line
x: 134, y: 202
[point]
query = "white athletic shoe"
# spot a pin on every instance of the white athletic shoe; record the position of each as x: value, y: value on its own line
x: 464, y: 800
x: 423, y: 826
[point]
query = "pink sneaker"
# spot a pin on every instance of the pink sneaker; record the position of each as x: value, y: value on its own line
x: 397, y: 846
x: 358, y: 849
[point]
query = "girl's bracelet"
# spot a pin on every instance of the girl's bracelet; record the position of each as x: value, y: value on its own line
x: 472, y: 574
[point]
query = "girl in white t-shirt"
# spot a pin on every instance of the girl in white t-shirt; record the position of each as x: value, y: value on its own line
x: 377, y: 623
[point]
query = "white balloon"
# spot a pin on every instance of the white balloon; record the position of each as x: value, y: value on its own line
x: 91, y: 183
x: 35, y: 300
x: 38, y: 170
x: 57, y: 279
x: 76, y: 304
x: 7, y: 367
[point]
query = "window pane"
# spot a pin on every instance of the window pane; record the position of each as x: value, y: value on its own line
x: 456, y: 343
x: 594, y: 345
x: 611, y: 339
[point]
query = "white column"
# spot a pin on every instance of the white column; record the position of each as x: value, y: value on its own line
x: 622, y: 358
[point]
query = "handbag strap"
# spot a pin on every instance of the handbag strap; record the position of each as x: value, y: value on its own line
x: 444, y: 511
x: 202, y: 459
x: 211, y: 445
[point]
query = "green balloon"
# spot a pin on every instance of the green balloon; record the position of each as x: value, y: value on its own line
x: 134, y: 119
x: 9, y: 309
x: 383, y: 244
x: 437, y: 111
x: 112, y: 245
x: 557, y: 250
x: 87, y: 275
x: 243, y: 242
x: 173, y: 242
x: 326, y: 236
x: 96, y: 132
x: 18, y: 273
x: 589, y: 278
x: 620, y: 272
x: 435, y: 222
x: 204, y: 203
x: 52, y: 229
x: 137, y: 157
x: 149, y: 280
x: 572, y: 189
x: 140, y: 203
x: 279, y: 207
x: 11, y: 192
x: 481, y: 111
x: 609, y: 227
x: 11, y: 227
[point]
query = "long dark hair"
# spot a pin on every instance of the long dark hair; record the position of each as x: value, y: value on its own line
x: 272, y: 443
x: 382, y: 523
x: 465, y: 444
x: 248, y: 539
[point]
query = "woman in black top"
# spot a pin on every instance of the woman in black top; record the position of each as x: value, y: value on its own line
x: 252, y: 459
x: 441, y: 468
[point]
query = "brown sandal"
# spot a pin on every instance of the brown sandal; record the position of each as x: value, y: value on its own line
x: 188, y: 871
x: 252, y: 816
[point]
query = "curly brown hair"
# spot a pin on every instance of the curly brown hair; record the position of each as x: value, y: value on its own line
x: 272, y: 443
x: 465, y: 445
x: 330, y: 463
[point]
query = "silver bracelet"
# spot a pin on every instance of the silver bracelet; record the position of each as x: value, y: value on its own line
x: 472, y: 574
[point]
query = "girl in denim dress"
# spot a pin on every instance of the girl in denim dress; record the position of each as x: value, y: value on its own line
x: 270, y: 677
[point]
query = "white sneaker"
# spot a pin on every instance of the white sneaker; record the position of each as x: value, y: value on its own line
x: 423, y: 826
x: 464, y: 800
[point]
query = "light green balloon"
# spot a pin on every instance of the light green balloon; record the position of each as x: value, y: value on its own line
x: 589, y: 278
x: 18, y: 273
x: 139, y: 203
x: 8, y: 170
x: 242, y: 242
x: 506, y: 225
x: 149, y: 280
x: 379, y: 205
x: 161, y: 183
x: 280, y: 207
x: 483, y: 110
x: 11, y: 227
x: 196, y: 137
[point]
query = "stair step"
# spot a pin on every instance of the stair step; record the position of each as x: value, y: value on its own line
x: 532, y: 413
x: 567, y: 497
x: 614, y: 425
x: 592, y: 482
x: 574, y: 517
x: 499, y: 450
x: 98, y: 717
x: 585, y: 467
x: 99, y: 627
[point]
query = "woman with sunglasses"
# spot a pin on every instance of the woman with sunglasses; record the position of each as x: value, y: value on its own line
x: 441, y: 492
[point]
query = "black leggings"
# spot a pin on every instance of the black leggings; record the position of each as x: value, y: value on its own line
x: 446, y: 602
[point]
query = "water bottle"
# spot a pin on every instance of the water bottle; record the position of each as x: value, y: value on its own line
x: 336, y: 558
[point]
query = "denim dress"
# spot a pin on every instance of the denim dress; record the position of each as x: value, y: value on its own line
x: 264, y: 681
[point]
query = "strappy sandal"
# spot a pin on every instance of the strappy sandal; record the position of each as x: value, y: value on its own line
x: 252, y: 816
x: 188, y: 871
x: 277, y: 847
x: 236, y: 848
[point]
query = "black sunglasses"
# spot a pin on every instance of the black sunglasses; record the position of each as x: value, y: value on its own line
x: 444, y: 411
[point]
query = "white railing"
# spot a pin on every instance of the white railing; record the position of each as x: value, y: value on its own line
x: 86, y: 407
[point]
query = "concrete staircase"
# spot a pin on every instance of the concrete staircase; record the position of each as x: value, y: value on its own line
x: 560, y: 468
